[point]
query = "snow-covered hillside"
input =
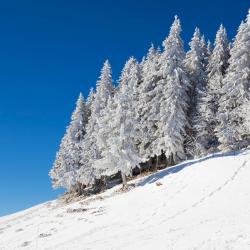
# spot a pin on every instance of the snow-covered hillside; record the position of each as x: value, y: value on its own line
x: 200, y: 204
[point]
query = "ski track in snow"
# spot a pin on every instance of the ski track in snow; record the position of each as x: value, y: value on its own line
x: 201, y: 204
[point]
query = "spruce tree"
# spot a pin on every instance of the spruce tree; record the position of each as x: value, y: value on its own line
x: 246, y: 117
x: 119, y: 131
x: 235, y: 93
x: 148, y: 103
x: 172, y: 98
x: 126, y: 71
x: 91, y: 151
x: 103, y: 121
x: 216, y: 70
x: 205, y: 51
x: 90, y: 100
x: 68, y: 159
x: 195, y: 63
x: 209, y: 49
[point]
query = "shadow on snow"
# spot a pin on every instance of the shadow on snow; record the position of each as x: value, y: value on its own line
x: 175, y: 169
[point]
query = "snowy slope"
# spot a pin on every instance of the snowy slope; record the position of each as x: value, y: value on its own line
x: 201, y: 204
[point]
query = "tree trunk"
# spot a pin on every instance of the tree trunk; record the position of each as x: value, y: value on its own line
x: 79, y: 188
x: 150, y: 163
x: 105, y: 183
x: 124, y: 181
x: 157, y: 163
x: 172, y: 159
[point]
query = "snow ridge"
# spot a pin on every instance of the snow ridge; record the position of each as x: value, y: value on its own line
x: 199, y: 204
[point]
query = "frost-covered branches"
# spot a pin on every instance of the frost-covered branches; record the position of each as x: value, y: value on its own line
x: 170, y: 106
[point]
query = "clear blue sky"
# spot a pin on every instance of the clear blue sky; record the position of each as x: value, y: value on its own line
x: 51, y: 50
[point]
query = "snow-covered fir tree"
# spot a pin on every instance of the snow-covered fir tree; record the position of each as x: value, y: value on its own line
x: 59, y: 172
x: 90, y: 100
x: 209, y: 49
x: 106, y: 127
x: 172, y: 98
x: 126, y: 71
x: 147, y: 105
x: 131, y: 74
x: 196, y: 68
x: 235, y: 93
x: 91, y: 151
x: 218, y: 62
x: 134, y: 84
x: 246, y: 117
x: 216, y: 69
x: 205, y: 51
x: 103, y: 121
x: 68, y: 159
x: 170, y: 106
x: 119, y: 130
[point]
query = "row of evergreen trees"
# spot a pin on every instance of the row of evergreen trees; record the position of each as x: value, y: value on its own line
x: 172, y: 105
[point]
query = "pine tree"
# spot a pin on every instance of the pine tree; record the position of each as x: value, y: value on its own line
x: 195, y: 63
x: 148, y: 102
x: 125, y: 78
x: 103, y: 121
x: 235, y: 93
x: 172, y: 98
x: 209, y: 49
x: 218, y: 62
x: 91, y: 151
x: 119, y: 131
x: 205, y: 51
x: 134, y: 81
x: 216, y: 69
x: 246, y: 117
x: 126, y: 71
x: 90, y: 100
x: 58, y: 173
x: 68, y: 159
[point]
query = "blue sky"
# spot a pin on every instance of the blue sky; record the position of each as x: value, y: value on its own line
x: 52, y: 50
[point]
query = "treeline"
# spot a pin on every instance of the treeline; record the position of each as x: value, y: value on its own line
x: 171, y: 106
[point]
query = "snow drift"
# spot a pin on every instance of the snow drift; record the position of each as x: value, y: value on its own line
x: 199, y: 204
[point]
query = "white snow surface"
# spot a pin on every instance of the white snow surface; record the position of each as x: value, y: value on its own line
x: 199, y: 204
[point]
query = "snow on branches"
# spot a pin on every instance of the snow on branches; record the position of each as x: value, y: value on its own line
x: 172, y: 105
